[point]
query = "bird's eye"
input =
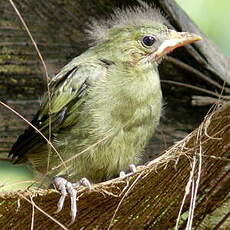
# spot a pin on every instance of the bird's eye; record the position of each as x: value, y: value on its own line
x: 148, y: 40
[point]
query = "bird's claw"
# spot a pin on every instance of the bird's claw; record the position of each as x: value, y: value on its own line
x: 132, y: 169
x: 85, y: 182
x: 67, y: 188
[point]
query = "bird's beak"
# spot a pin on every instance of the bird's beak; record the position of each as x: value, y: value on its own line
x: 173, y: 41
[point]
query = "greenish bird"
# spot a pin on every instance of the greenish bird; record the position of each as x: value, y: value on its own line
x: 105, y: 104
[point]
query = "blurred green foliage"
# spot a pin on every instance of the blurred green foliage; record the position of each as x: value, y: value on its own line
x: 14, y: 177
x: 213, y: 18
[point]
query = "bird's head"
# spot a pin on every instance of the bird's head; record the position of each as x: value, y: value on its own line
x: 138, y: 36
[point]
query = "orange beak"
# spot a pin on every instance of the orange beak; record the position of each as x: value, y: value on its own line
x: 173, y: 41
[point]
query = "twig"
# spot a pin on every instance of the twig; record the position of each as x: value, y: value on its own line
x: 29, y: 123
x: 195, y: 88
x: 46, y: 74
x: 32, y: 214
x: 196, y: 72
x: 32, y: 39
x: 187, y: 191
x: 125, y: 195
x: 203, y: 100
x: 45, y: 213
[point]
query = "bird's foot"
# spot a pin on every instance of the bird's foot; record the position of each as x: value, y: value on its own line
x: 67, y: 188
x: 132, y: 169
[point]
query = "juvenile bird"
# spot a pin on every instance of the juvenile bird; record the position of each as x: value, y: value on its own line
x: 104, y: 105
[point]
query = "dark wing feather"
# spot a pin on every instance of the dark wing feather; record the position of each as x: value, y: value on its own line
x: 67, y: 89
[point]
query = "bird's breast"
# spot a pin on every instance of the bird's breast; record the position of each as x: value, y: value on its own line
x: 120, y: 117
x: 125, y: 103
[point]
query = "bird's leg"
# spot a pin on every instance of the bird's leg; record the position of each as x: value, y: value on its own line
x: 132, y: 169
x: 67, y: 188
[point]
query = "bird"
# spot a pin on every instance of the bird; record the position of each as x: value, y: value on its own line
x: 104, y: 105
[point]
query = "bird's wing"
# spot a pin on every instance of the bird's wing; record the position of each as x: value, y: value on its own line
x: 68, y: 91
